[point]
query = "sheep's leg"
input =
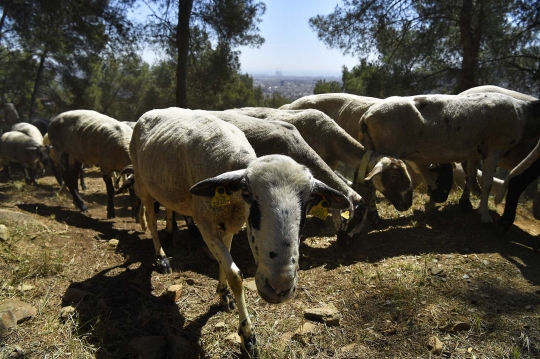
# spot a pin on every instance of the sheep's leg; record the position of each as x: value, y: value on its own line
x: 233, y: 276
x: 67, y: 176
x: 110, y: 195
x: 81, y: 178
x: 8, y: 172
x: 470, y: 179
x: 516, y: 186
x: 32, y: 175
x: 373, y: 215
x: 148, y: 202
x: 170, y: 222
x: 488, y: 171
x: 56, y: 172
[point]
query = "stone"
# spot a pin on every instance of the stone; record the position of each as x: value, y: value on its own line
x: 8, y: 322
x: 113, y: 242
x: 308, y: 329
x: 250, y: 284
x: 73, y: 295
x: 151, y: 347
x: 12, y: 216
x: 436, y: 270
x: 25, y: 287
x: 348, y: 348
x: 20, y: 309
x: 174, y: 292
x: 435, y: 345
x: 328, y: 315
x: 4, y: 233
x: 233, y: 338
x: 180, y: 348
x: 66, y: 312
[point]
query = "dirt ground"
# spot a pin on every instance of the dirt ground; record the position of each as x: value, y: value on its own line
x: 413, y: 277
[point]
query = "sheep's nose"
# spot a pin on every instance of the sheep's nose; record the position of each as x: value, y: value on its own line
x: 279, y: 291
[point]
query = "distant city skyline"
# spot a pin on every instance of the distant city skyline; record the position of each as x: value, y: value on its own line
x: 290, y: 44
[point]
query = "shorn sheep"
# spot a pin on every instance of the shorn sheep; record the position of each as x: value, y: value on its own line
x: 444, y: 128
x: 198, y: 165
x: 20, y: 148
x: 33, y: 132
x: 387, y: 175
x: 278, y: 137
x: 511, y: 159
x: 347, y: 110
x: 89, y: 137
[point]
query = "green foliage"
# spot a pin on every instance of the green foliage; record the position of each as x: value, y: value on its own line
x: 436, y: 46
x: 321, y: 86
x: 275, y: 101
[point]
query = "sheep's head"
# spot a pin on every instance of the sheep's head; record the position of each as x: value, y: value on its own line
x: 391, y: 178
x: 279, y: 193
x: 440, y: 183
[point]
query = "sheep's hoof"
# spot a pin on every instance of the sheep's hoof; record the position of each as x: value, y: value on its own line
x: 83, y: 208
x: 465, y: 204
x: 250, y: 349
x: 227, y: 303
x: 83, y: 187
x: 163, y: 265
x: 344, y: 240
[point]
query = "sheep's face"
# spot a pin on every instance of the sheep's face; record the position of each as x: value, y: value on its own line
x: 392, y: 179
x: 279, y: 193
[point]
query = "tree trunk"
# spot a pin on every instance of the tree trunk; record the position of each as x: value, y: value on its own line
x: 182, y: 43
x: 36, y: 84
x: 470, y: 40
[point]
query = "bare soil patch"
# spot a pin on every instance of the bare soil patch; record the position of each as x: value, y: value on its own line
x: 411, y: 278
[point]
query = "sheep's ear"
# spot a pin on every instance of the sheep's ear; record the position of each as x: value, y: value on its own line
x: 230, y: 180
x: 376, y: 170
x: 336, y: 199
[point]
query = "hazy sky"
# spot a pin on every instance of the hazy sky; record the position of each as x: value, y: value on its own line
x: 290, y: 44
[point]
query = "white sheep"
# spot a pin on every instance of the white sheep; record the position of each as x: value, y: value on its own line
x: 20, y: 148
x: 33, y: 132
x: 89, y: 137
x: 278, y: 137
x: 217, y: 179
x: 444, y: 128
x: 334, y: 145
x: 347, y: 110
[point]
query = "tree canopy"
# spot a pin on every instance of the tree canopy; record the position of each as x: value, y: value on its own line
x: 438, y: 45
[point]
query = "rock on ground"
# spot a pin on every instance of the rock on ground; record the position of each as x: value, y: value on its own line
x: 4, y: 233
x: 328, y: 315
x: 435, y: 345
x: 20, y: 309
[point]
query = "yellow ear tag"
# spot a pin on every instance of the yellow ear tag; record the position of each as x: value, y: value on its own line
x: 346, y: 215
x: 221, y: 198
x: 320, y: 210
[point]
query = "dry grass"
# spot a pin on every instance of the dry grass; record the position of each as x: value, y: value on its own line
x: 389, y: 299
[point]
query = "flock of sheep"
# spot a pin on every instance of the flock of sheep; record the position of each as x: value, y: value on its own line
x: 273, y: 167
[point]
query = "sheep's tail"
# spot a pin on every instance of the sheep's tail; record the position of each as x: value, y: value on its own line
x: 522, y: 166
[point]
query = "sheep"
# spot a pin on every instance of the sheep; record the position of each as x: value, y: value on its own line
x: 278, y: 137
x: 347, y: 110
x: 54, y: 163
x: 130, y: 123
x: 11, y: 116
x: 32, y: 131
x: 517, y: 180
x: 334, y: 145
x: 84, y: 136
x: 20, y: 148
x: 511, y: 160
x: 437, y: 129
x: 218, y: 180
